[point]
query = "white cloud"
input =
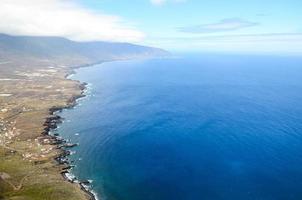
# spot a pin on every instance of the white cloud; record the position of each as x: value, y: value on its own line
x: 62, y: 18
x: 158, y: 2
x: 231, y: 24
x: 271, y: 43
x: 162, y: 2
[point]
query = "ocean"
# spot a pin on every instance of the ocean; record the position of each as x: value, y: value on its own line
x: 191, y: 127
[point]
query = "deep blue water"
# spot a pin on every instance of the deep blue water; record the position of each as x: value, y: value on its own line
x: 198, y: 127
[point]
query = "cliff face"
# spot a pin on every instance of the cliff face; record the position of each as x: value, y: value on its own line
x: 63, y: 50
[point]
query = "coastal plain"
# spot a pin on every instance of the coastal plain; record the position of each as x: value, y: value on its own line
x: 28, y: 169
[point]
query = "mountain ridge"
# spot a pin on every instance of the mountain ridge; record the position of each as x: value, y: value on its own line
x: 59, y: 49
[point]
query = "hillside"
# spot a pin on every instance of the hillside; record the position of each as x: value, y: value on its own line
x: 64, y: 51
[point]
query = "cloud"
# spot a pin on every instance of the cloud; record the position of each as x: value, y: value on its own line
x: 230, y: 24
x: 162, y: 2
x: 63, y: 18
x: 158, y: 2
x: 272, y: 43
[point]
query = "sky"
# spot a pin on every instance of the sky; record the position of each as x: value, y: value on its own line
x: 257, y: 26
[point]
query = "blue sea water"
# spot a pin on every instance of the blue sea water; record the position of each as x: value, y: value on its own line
x: 196, y: 127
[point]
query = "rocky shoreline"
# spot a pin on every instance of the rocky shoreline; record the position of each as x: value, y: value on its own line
x: 30, y: 155
x: 51, y: 123
x: 34, y: 87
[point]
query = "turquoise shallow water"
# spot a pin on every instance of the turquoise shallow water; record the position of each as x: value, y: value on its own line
x: 210, y: 127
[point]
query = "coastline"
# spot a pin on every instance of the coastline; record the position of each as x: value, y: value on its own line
x: 52, y: 123
x: 28, y: 153
x: 34, y: 86
x: 33, y: 163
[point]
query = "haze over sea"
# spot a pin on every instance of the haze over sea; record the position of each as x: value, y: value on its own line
x: 196, y: 127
